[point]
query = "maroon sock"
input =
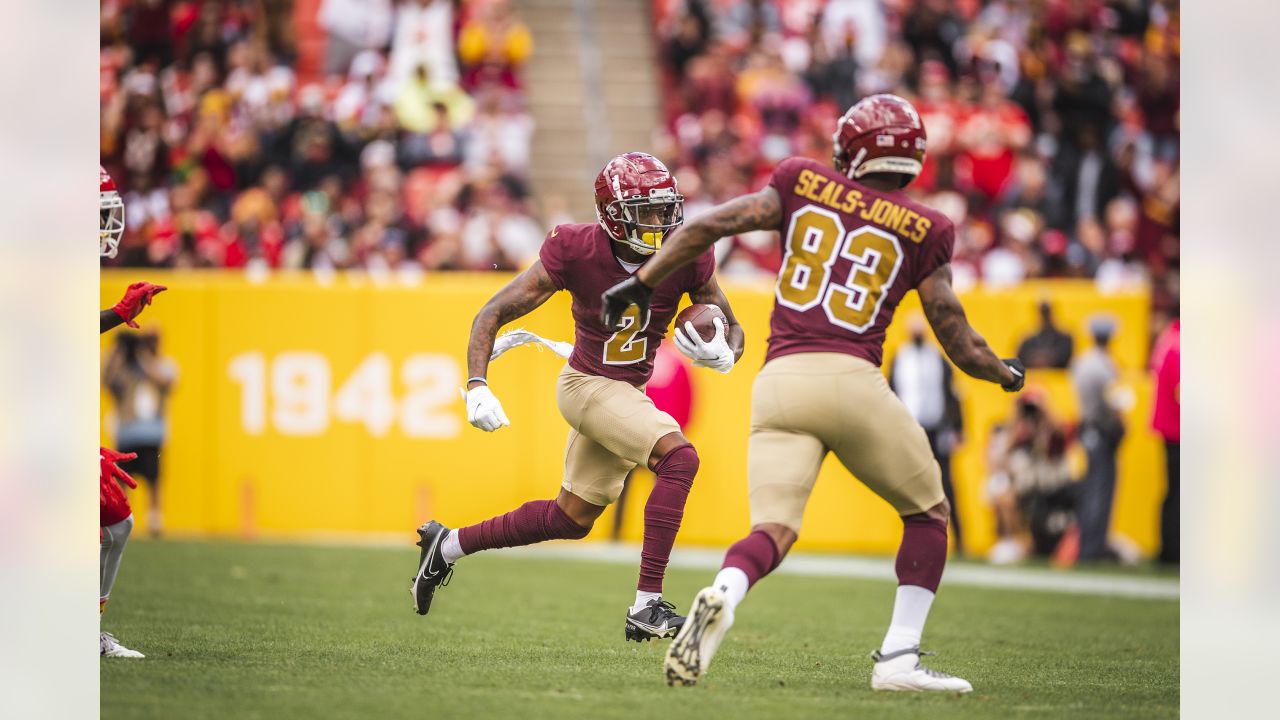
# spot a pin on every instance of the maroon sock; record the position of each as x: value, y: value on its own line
x: 532, y: 522
x: 663, y: 513
x: 756, y: 555
x: 923, y: 552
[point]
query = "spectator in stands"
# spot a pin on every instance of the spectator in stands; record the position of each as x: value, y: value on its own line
x: 360, y: 105
x: 1049, y: 347
x: 353, y: 26
x: 424, y: 37
x: 1029, y: 482
x: 933, y: 30
x: 1166, y: 421
x: 311, y: 147
x: 254, y: 237
x: 1082, y: 96
x: 990, y: 138
x: 1085, y: 179
x: 778, y: 99
x: 922, y: 378
x: 496, y: 231
x: 316, y: 246
x: 417, y: 98
x: 443, y: 145
x: 500, y: 135
x: 745, y: 24
x: 690, y: 38
x: 1101, y: 430
x: 833, y: 69
x: 1005, y: 262
x: 140, y: 380
x: 494, y: 47
x: 865, y: 19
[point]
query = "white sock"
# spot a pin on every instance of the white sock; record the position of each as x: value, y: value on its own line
x: 733, y: 583
x: 451, y: 548
x: 643, y: 598
x: 910, y: 610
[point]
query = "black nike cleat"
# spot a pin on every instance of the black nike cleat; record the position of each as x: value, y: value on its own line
x: 658, y: 619
x: 433, y: 571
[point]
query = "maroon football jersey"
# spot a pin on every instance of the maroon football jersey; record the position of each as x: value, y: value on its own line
x: 850, y: 254
x: 579, y: 258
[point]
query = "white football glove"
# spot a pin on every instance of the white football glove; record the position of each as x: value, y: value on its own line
x: 483, y: 409
x: 715, y: 354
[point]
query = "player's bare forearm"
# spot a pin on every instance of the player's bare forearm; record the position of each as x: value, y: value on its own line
x: 966, y: 348
x: 108, y: 319
x: 757, y: 211
x: 711, y: 294
x: 527, y: 291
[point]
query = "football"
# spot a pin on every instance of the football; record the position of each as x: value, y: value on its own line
x: 701, y: 316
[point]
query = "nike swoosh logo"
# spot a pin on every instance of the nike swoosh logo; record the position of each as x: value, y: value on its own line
x: 431, y: 558
x: 651, y: 628
x: 555, y: 231
x: 427, y: 570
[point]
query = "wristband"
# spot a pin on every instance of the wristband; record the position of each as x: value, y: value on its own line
x: 479, y: 380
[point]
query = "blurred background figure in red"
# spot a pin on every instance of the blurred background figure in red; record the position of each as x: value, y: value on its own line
x: 1166, y: 420
x: 671, y: 389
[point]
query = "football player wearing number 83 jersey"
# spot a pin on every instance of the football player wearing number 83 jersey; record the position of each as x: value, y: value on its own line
x: 614, y: 426
x: 854, y: 245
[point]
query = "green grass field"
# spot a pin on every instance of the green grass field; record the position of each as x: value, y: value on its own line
x: 277, y: 631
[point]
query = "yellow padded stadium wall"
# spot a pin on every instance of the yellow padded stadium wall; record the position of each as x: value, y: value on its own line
x: 317, y: 409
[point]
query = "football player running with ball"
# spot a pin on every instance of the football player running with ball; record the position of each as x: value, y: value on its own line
x: 115, y: 517
x: 614, y: 426
x: 854, y: 245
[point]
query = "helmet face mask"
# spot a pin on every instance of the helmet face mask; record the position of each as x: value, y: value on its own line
x: 637, y: 202
x: 111, y: 216
x: 646, y: 221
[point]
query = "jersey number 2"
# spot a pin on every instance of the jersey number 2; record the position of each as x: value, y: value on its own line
x: 814, y: 240
x: 627, y: 346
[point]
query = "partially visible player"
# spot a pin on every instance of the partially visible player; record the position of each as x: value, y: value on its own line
x: 614, y: 426
x: 110, y: 230
x: 854, y: 246
x: 115, y: 517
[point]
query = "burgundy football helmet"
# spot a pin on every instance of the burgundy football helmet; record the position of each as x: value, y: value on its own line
x: 880, y: 134
x: 111, y: 221
x: 637, y: 202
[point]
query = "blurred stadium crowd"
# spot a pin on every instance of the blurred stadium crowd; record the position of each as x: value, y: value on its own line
x: 1053, y: 124
x: 1053, y: 127
x: 409, y: 149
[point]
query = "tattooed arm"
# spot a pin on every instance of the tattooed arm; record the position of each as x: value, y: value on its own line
x: 966, y: 348
x: 527, y: 291
x: 711, y: 294
x: 757, y: 211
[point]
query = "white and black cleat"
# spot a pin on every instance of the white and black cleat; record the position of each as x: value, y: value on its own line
x: 901, y: 671
x: 658, y: 619
x: 690, y: 653
x: 433, y: 571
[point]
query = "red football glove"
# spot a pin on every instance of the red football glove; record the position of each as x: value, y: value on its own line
x: 108, y: 458
x: 135, y: 298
